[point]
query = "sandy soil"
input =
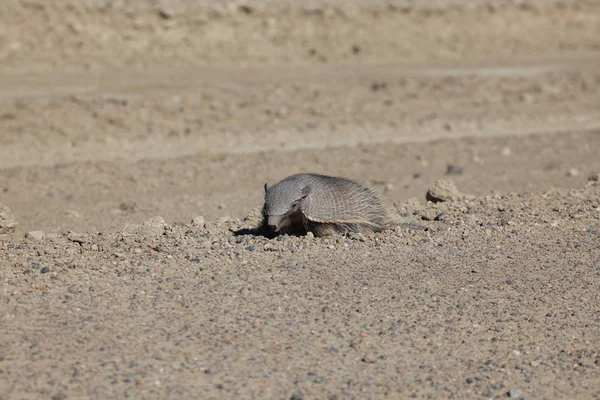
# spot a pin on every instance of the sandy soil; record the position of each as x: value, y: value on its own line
x: 115, y: 113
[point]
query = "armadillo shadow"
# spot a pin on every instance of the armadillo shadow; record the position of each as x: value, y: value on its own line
x: 264, y: 231
x: 258, y: 231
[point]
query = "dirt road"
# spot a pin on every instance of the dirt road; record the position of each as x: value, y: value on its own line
x: 114, y: 113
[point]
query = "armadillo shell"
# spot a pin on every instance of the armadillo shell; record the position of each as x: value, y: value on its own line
x: 342, y: 201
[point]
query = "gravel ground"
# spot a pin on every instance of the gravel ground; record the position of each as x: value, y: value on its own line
x: 135, y: 140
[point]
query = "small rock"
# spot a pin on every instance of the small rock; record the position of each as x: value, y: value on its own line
x: 535, y: 363
x: 573, y: 172
x: 35, y: 235
x: 8, y: 223
x: 45, y: 270
x: 442, y: 190
x: 439, y: 216
x: 155, y: 222
x: 269, y: 247
x: 594, y: 177
x: 506, y: 151
x: 452, y: 169
x: 369, y: 359
x: 198, y: 221
x: 514, y: 393
x: 356, y: 236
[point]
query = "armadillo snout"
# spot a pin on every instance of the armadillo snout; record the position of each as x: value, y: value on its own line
x: 275, y: 222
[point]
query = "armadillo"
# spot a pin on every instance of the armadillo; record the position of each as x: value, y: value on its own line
x: 324, y: 205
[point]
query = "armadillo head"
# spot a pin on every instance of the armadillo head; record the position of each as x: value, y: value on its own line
x: 283, y: 203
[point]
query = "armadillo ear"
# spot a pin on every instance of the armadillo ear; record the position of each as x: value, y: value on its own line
x: 266, y: 187
x: 306, y: 190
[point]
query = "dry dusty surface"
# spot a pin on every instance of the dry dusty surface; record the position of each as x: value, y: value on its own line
x: 123, y: 121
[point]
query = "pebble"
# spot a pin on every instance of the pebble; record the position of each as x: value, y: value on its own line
x: 506, y: 151
x: 439, y: 216
x: 269, y: 247
x: 573, y: 172
x: 45, y: 270
x: 8, y: 223
x: 514, y: 393
x: 198, y: 221
x: 35, y: 235
x: 442, y: 190
x: 454, y: 169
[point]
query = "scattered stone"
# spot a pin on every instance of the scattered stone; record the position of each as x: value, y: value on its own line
x: 452, y: 169
x: 573, y: 172
x: 198, y: 221
x: 45, y: 270
x: 155, y: 222
x: 514, y: 393
x: 594, y: 177
x: 442, y: 190
x: 35, y: 235
x: 356, y: 236
x: 269, y: 247
x: 8, y: 223
x: 80, y: 238
x: 369, y: 359
x: 506, y: 151
x: 439, y: 216
x: 152, y: 227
